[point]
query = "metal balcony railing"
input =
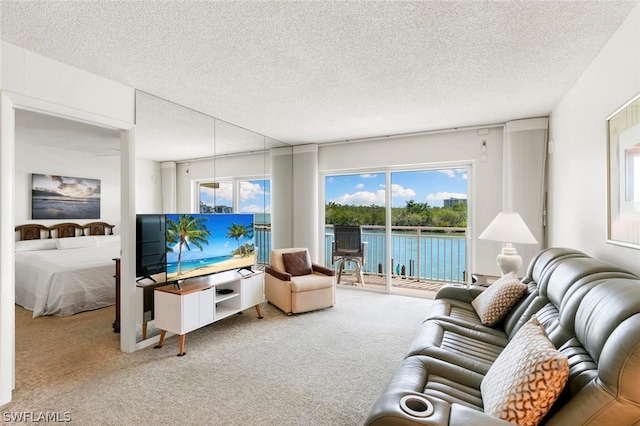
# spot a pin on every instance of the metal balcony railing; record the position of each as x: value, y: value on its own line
x: 262, y: 234
x: 420, y: 253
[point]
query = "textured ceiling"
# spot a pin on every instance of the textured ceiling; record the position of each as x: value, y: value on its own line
x: 312, y: 72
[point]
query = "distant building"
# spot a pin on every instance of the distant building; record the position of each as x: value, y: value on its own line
x: 205, y: 208
x: 453, y: 201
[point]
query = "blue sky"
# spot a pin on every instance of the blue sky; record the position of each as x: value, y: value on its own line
x: 432, y: 187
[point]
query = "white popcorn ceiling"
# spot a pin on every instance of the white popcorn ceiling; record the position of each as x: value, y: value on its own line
x: 314, y: 72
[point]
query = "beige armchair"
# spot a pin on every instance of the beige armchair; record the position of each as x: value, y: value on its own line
x: 294, y: 284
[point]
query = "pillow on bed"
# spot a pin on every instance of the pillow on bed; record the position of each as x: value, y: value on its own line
x: 107, y: 239
x: 76, y: 242
x: 31, y: 245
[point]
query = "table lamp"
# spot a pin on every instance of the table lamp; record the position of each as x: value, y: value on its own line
x: 508, y: 228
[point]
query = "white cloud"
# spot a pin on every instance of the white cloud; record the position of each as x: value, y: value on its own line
x: 360, y: 185
x: 400, y: 191
x: 440, y: 196
x: 225, y: 191
x: 362, y: 198
x: 250, y: 191
x: 367, y: 198
x: 448, y: 172
x: 368, y: 176
x: 255, y: 208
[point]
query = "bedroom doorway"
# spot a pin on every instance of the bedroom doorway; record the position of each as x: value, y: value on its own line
x: 32, y: 149
x: 74, y: 158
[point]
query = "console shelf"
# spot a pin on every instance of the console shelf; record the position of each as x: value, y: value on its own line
x: 204, y: 300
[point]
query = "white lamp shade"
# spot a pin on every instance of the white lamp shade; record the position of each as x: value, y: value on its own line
x: 508, y: 227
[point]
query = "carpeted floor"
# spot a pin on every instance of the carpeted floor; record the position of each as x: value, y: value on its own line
x: 320, y: 368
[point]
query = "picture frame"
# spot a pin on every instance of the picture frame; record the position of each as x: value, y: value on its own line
x: 623, y: 174
x: 64, y: 197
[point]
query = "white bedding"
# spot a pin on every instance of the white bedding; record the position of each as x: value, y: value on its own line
x: 66, y: 281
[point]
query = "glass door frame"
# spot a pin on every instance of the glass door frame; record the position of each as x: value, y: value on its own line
x: 469, y: 165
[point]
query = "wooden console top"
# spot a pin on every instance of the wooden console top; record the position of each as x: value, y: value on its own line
x: 186, y: 287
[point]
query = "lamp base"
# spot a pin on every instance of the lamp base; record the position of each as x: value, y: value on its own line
x: 509, y: 260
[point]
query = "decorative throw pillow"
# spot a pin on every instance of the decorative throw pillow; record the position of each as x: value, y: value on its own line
x: 496, y: 301
x: 297, y: 263
x: 526, y: 378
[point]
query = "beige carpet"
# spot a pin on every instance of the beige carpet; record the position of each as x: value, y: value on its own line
x: 321, y: 368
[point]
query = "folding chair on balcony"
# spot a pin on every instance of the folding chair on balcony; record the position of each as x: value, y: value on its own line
x: 347, y: 246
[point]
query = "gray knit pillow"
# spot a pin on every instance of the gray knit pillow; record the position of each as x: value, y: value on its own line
x: 496, y: 301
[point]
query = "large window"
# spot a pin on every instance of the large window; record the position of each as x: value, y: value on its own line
x: 426, y: 241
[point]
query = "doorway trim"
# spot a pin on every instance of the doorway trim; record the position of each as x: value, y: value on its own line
x: 9, y: 102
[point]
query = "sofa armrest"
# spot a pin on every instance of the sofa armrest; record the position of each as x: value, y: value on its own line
x: 282, y: 276
x: 388, y: 412
x: 463, y: 294
x: 323, y: 270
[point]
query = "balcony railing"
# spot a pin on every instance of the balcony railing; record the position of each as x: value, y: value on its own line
x: 262, y: 234
x: 419, y: 253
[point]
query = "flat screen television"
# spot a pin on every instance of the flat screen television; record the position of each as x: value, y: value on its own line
x: 201, y: 244
x: 151, y: 245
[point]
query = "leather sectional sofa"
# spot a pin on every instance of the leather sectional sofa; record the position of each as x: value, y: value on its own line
x: 589, y: 311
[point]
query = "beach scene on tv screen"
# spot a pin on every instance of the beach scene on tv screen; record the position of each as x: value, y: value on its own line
x: 202, y: 244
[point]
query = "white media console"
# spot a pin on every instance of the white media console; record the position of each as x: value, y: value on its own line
x: 203, y: 300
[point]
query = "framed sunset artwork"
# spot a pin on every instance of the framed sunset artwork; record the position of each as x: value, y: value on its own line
x: 64, y: 197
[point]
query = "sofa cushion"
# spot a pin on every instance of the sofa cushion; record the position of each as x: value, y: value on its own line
x: 496, y: 301
x: 526, y: 378
x: 297, y: 263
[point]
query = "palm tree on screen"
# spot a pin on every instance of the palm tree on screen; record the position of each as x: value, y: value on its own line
x: 239, y: 231
x: 186, y: 231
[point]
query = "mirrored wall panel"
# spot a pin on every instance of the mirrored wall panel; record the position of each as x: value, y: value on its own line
x: 209, y: 166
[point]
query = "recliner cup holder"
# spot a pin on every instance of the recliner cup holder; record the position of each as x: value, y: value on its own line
x: 416, y: 405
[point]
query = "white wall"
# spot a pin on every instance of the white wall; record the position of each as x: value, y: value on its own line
x: 577, y: 168
x: 51, y: 82
x: 31, y: 158
x: 445, y: 148
x: 305, y: 201
x: 148, y: 187
x: 281, y: 163
x: 31, y: 81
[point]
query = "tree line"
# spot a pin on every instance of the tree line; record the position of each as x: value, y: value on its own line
x: 412, y: 214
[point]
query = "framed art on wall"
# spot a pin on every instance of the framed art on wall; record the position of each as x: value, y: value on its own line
x: 623, y: 156
x: 63, y: 197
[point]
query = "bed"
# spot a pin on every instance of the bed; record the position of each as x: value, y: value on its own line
x: 65, y: 268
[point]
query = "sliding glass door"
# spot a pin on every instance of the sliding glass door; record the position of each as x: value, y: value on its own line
x: 415, y: 233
